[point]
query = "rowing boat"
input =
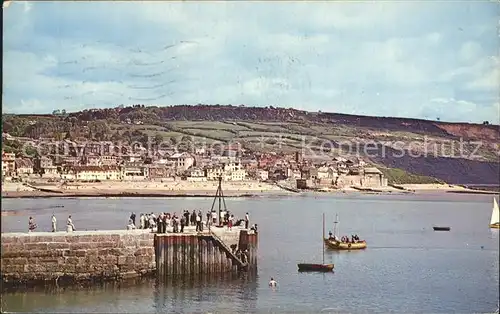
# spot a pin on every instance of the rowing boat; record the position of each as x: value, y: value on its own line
x: 304, y: 267
x: 441, y: 228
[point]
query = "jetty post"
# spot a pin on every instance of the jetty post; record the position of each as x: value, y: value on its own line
x: 215, y: 250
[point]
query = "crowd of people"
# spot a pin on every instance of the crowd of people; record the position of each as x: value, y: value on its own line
x: 164, y: 220
x: 177, y: 222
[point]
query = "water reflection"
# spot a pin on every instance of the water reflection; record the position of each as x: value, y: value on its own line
x: 236, y: 293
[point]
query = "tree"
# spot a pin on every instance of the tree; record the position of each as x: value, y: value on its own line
x: 158, y: 139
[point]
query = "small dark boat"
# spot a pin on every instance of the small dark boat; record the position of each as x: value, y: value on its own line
x: 315, y: 267
x: 441, y: 228
x: 303, y: 267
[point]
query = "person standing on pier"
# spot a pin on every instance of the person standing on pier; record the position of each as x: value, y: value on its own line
x: 230, y: 222
x: 70, y: 227
x: 54, y: 223
x: 183, y: 223
x: 221, y: 218
x: 165, y: 221
x: 193, y: 218
x: 209, y: 216
x: 31, y: 224
x: 186, y: 217
x: 132, y: 217
x: 198, y: 223
x: 161, y: 223
x: 142, y: 220
x: 247, y: 220
x: 214, y: 217
x: 176, y: 223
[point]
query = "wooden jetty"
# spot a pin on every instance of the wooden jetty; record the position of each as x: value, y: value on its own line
x: 203, y: 253
x: 214, y: 250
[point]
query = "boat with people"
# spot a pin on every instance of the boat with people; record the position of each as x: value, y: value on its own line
x: 344, y: 243
x: 312, y: 267
x: 495, y: 216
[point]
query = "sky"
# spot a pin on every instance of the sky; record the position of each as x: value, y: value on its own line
x: 416, y: 59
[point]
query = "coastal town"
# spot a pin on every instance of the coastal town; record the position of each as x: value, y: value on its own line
x: 98, y: 162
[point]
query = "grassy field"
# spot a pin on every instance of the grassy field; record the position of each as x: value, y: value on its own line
x: 291, y: 135
x: 399, y: 176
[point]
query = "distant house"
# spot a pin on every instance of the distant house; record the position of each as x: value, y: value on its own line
x: 24, y: 166
x: 109, y: 160
x: 8, y: 164
x: 262, y: 175
x: 231, y: 171
x: 134, y: 171
x: 92, y: 160
x: 293, y: 173
x: 278, y: 174
x: 237, y: 175
x: 373, y: 177
x: 196, y: 174
x: 93, y: 173
x: 214, y: 172
x: 45, y: 167
x: 324, y: 173
x: 310, y: 173
x: 182, y: 161
x: 160, y: 172
x: 200, y: 151
x: 71, y: 161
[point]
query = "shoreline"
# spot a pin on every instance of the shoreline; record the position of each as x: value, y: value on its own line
x: 227, y: 194
x: 230, y: 190
x: 145, y: 194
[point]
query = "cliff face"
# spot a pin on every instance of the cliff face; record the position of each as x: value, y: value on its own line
x: 450, y: 170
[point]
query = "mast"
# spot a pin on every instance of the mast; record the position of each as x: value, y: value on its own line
x: 219, y: 188
x: 323, y: 238
x: 219, y: 195
x: 335, y: 224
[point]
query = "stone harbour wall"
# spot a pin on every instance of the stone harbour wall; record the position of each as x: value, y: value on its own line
x: 77, y: 256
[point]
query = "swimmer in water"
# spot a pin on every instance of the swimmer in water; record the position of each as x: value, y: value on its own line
x: 272, y: 282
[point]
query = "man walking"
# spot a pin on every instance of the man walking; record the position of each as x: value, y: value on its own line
x: 247, y: 220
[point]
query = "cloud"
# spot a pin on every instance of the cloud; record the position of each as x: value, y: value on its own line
x: 375, y: 58
x: 456, y: 109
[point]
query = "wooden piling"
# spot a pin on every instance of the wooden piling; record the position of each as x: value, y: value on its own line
x: 201, y: 254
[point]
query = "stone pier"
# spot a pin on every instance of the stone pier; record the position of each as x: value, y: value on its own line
x: 77, y: 256
x: 45, y: 257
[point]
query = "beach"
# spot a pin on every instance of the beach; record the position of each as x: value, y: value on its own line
x: 183, y: 188
x: 145, y: 189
